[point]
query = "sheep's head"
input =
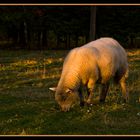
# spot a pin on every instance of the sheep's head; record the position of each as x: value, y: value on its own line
x: 65, y: 98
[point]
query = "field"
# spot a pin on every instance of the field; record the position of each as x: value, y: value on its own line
x: 27, y: 107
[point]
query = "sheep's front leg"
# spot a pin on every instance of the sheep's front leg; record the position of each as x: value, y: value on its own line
x: 90, y: 91
x: 81, y: 97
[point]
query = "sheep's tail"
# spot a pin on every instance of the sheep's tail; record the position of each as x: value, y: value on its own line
x: 119, y: 75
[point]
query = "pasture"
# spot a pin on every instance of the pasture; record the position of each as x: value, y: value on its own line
x: 27, y: 107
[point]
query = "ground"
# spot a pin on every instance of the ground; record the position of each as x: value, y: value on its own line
x: 27, y: 107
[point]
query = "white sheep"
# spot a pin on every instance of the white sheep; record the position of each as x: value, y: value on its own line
x: 97, y: 61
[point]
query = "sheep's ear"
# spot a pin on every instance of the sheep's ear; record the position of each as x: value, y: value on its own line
x: 69, y: 91
x: 52, y: 88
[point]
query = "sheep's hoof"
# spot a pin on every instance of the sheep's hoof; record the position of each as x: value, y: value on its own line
x: 82, y: 104
x: 102, y: 101
x: 125, y: 101
x: 89, y: 104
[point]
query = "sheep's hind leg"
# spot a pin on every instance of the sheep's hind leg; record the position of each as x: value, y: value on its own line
x: 104, y: 91
x: 121, y: 79
x: 124, y: 89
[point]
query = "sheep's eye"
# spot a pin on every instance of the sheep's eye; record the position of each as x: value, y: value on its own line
x: 64, y: 98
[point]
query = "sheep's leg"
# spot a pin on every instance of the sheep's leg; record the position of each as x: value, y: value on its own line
x: 124, y: 89
x: 90, y: 91
x: 104, y: 91
x: 81, y: 97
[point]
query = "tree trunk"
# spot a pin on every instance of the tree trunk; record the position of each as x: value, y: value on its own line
x: 44, y: 39
x: 28, y: 37
x: 68, y: 41
x: 40, y: 36
x: 22, y: 39
x: 92, y: 23
x: 58, y: 41
x: 76, y: 40
x: 25, y: 32
x: 41, y: 40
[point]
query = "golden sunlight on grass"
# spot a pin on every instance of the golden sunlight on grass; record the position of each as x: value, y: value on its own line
x: 52, y: 60
x: 28, y: 106
x: 133, y: 55
x: 133, y: 52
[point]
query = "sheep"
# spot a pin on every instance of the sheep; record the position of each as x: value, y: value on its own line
x: 95, y: 62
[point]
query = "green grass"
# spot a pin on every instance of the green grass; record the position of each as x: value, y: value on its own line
x: 27, y: 107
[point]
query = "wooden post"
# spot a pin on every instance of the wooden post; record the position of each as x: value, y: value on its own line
x: 92, y: 23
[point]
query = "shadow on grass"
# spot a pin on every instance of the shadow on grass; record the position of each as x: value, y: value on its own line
x: 27, y: 104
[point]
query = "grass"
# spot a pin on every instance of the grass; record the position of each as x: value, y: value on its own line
x: 27, y: 107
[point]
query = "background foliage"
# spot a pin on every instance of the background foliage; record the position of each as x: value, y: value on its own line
x: 66, y: 27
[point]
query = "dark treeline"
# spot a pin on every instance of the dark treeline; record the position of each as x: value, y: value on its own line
x: 66, y: 27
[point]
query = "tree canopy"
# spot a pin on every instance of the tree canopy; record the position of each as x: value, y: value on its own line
x: 66, y: 27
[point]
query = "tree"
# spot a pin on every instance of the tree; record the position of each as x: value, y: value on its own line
x: 66, y: 27
x: 92, y: 23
